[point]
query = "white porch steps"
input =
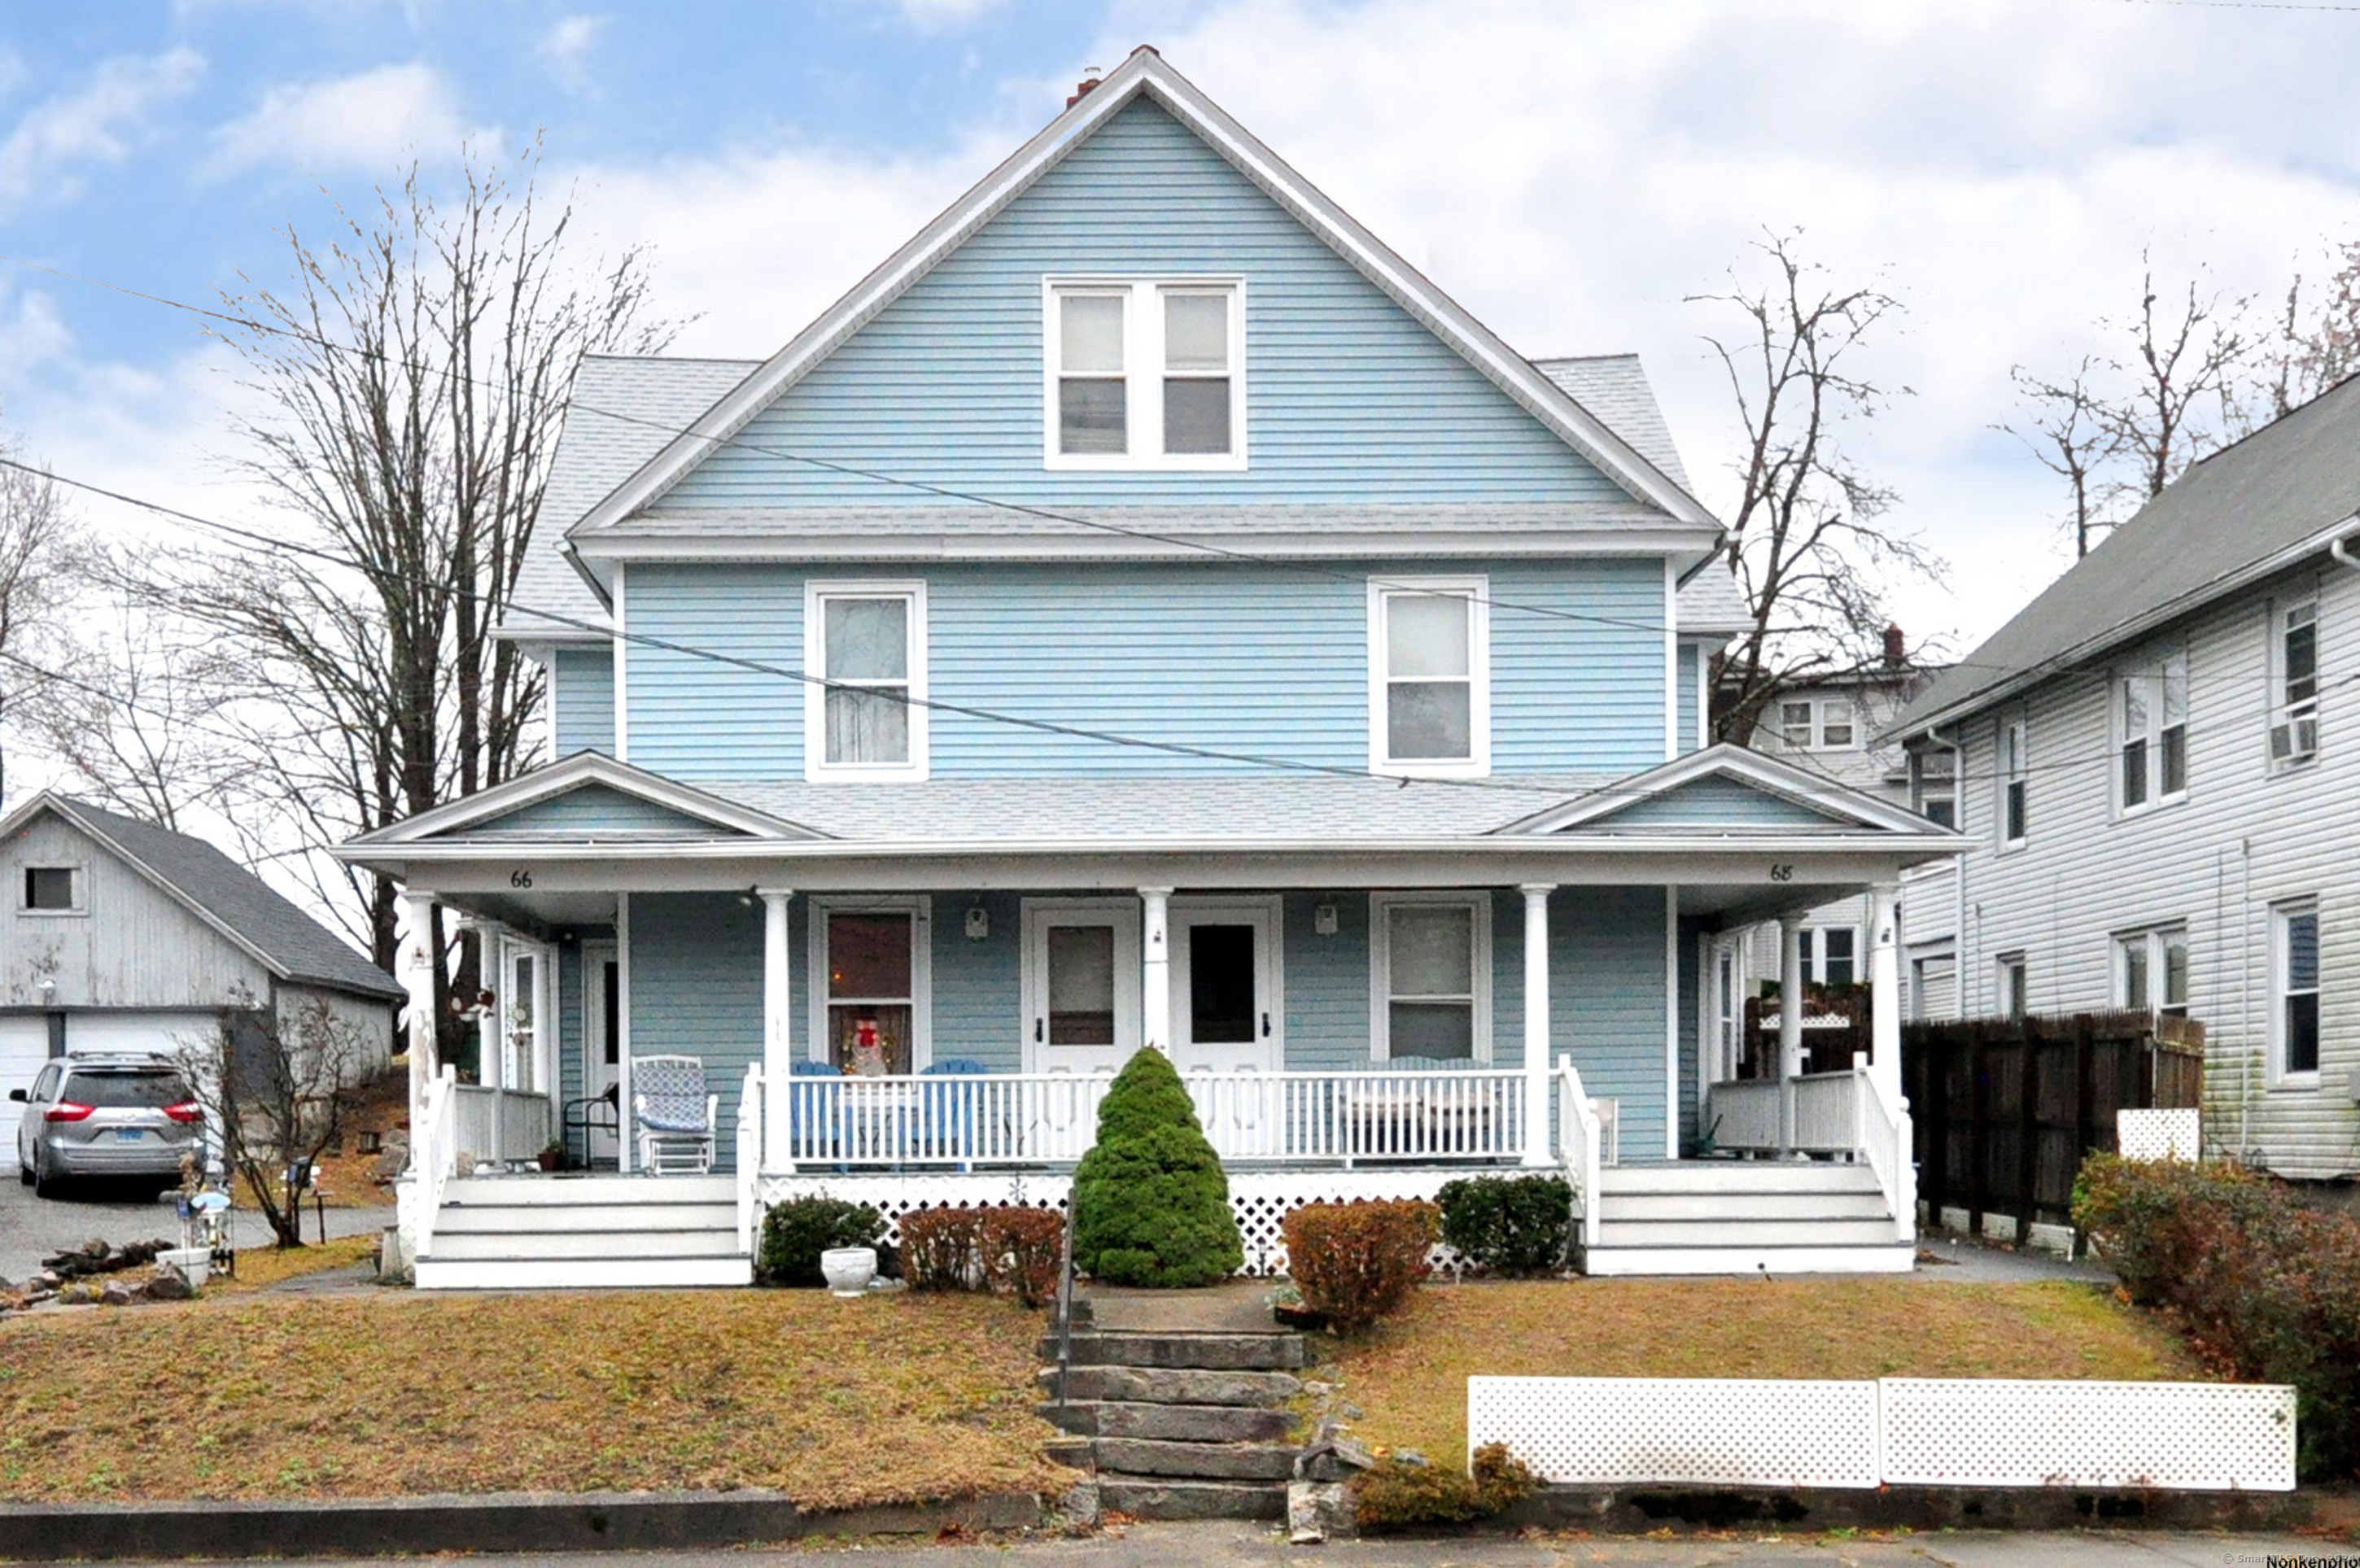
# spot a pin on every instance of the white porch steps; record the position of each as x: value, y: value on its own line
x: 545, y: 1232
x: 1728, y: 1216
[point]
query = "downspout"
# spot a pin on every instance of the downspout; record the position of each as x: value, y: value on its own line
x: 2245, y: 993
x: 2340, y: 553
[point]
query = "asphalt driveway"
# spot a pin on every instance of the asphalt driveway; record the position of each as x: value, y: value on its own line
x: 32, y: 1228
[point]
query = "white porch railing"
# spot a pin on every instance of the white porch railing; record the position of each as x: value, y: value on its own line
x: 1051, y: 1118
x: 1826, y: 1121
x: 499, y: 1123
x: 749, y: 1157
x: 1580, y: 1134
x: 1890, y: 1143
x: 1852, y: 1113
x: 433, y: 1147
x: 1743, y: 1114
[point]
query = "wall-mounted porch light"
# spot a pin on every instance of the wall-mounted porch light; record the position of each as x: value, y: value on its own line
x: 978, y: 923
x: 1323, y: 920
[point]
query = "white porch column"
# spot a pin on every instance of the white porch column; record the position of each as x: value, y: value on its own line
x: 1155, y: 979
x: 777, y: 1004
x: 418, y: 960
x: 1885, y: 986
x: 1536, y: 1022
x: 1790, y: 1022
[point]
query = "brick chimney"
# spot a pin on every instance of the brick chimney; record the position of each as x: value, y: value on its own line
x: 1088, y: 84
x: 1897, y: 649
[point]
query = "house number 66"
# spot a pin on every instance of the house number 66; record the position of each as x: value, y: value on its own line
x: 519, y: 879
x: 1782, y: 872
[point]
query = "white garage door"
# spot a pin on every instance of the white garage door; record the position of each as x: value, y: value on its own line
x: 165, y: 1033
x: 24, y: 1046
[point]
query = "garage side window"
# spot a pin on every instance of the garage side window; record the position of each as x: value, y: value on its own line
x: 51, y: 889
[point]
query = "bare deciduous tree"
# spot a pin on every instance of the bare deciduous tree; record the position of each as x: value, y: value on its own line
x: 1812, y: 539
x: 275, y: 1094
x: 38, y: 542
x: 2068, y: 437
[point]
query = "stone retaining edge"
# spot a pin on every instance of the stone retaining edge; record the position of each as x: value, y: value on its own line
x: 1634, y: 1510
x: 492, y: 1522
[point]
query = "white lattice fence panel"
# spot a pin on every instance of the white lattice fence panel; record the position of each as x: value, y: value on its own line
x: 1680, y: 1431
x: 1262, y: 1199
x: 2159, y: 1135
x: 895, y: 1195
x: 2205, y: 1437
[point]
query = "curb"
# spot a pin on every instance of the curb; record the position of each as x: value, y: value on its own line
x: 1638, y: 1510
x: 491, y: 1523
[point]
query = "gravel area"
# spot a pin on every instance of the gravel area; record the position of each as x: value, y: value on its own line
x: 32, y: 1228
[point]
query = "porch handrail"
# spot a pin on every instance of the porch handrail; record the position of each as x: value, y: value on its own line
x: 749, y: 1157
x: 1579, y: 1134
x: 499, y: 1123
x: 433, y: 1145
x: 1889, y: 1142
x: 1478, y: 1114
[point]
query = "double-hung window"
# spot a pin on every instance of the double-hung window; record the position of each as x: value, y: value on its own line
x: 1831, y: 956
x: 2009, y: 979
x: 2014, y: 781
x: 1816, y: 724
x: 2151, y: 972
x: 1429, y: 676
x: 2151, y: 734
x: 1144, y: 373
x: 2294, y: 675
x: 2295, y: 963
x: 1934, y: 787
x: 1431, y: 971
x: 865, y: 645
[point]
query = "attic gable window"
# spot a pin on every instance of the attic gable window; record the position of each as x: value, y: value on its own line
x: 50, y: 888
x: 1144, y: 373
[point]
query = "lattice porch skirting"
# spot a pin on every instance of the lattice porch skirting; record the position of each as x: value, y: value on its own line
x: 1261, y: 1199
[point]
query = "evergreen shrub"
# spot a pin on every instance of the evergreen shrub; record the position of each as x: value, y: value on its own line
x: 1512, y: 1225
x: 2267, y: 1286
x: 1358, y: 1262
x: 1396, y: 1493
x: 1151, y: 1202
x: 796, y: 1232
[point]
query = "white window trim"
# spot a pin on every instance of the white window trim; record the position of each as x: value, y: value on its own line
x: 2001, y: 964
x: 816, y: 767
x: 1142, y: 355
x: 2281, y: 712
x: 2155, y: 940
x: 1818, y: 741
x: 1380, y: 908
x: 2279, y: 1076
x: 78, y: 909
x: 1478, y: 763
x: 1815, y: 965
x: 2005, y: 772
x: 2154, y: 671
x: 1123, y: 915
x: 920, y: 907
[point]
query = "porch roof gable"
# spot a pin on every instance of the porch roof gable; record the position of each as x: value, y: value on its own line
x: 1724, y: 791
x: 589, y: 797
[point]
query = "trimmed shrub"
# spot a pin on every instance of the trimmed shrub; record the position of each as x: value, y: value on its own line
x: 941, y: 1248
x: 1358, y: 1262
x: 1020, y: 1250
x: 796, y: 1232
x: 1394, y: 1493
x: 1513, y: 1225
x: 2266, y: 1287
x: 1150, y: 1203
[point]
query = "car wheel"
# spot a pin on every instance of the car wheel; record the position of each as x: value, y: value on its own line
x: 24, y: 1173
x: 46, y: 1184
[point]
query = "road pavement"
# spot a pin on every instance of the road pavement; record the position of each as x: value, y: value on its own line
x: 33, y: 1228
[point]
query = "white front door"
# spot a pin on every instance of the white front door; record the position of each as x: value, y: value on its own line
x: 1226, y: 1008
x: 1081, y: 984
x: 602, y: 1042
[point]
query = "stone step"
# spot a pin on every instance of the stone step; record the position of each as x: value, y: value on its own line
x: 1194, y: 1460
x: 1209, y: 1352
x: 1174, y: 1385
x: 1175, y: 1423
x: 1153, y: 1498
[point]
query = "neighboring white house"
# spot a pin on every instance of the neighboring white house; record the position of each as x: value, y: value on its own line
x: 2160, y: 762
x: 121, y: 935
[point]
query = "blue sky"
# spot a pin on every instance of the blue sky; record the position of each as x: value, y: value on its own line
x: 1573, y: 171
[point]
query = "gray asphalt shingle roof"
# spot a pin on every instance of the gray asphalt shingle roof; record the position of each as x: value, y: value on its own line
x: 291, y: 943
x: 2227, y: 516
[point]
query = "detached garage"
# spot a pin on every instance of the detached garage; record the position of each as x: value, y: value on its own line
x: 118, y: 935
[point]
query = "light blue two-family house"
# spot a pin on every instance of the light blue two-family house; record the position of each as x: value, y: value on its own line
x: 1145, y: 612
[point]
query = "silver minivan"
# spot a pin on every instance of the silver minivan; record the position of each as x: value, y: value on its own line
x: 130, y: 1117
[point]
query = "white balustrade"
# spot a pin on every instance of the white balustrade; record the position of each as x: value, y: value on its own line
x: 1825, y: 1120
x: 749, y: 1157
x: 500, y: 1125
x: 1051, y: 1118
x: 1580, y: 1138
x: 1888, y: 1140
x: 1743, y: 1113
x: 433, y: 1144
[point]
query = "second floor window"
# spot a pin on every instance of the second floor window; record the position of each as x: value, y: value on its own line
x: 1816, y: 724
x: 867, y: 642
x: 1429, y: 699
x: 2294, y: 675
x: 1934, y: 787
x: 2014, y: 781
x: 2151, y: 972
x: 2152, y: 729
x: 1145, y: 374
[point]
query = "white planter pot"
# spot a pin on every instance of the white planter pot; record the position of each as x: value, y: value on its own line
x: 848, y: 1269
x: 194, y: 1264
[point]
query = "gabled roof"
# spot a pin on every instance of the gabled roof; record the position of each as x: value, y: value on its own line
x: 659, y: 807
x: 1146, y: 74
x: 223, y: 894
x: 2272, y: 501
x: 1729, y: 791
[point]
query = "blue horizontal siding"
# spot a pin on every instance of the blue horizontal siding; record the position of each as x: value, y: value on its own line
x: 581, y: 699
x: 1347, y: 396
x: 1717, y: 802
x: 1326, y: 983
x: 1257, y: 660
x: 696, y: 989
x: 1607, y: 999
x: 1690, y: 654
x: 593, y: 808
x: 979, y: 983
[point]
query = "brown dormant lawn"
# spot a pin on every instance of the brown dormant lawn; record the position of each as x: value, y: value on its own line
x: 1410, y: 1375
x: 892, y: 1399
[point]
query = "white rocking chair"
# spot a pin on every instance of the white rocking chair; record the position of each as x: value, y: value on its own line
x: 676, y: 1116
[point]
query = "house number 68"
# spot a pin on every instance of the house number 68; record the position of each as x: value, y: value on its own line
x: 1782, y: 872
x: 519, y: 879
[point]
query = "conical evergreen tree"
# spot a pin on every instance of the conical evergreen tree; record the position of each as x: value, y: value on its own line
x: 1151, y: 1202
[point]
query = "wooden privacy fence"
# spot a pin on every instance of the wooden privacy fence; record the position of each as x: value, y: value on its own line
x: 2005, y: 1108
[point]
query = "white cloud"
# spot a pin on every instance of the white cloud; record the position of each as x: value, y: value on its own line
x: 930, y: 15
x: 565, y: 48
x: 372, y: 121
x: 96, y: 122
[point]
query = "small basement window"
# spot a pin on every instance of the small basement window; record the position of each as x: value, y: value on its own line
x: 49, y: 888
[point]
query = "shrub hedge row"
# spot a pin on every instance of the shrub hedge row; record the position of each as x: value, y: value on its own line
x: 2266, y: 1286
x: 1008, y: 1251
x: 1516, y: 1227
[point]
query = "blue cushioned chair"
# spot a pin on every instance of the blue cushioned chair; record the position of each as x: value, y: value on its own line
x: 948, y: 1113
